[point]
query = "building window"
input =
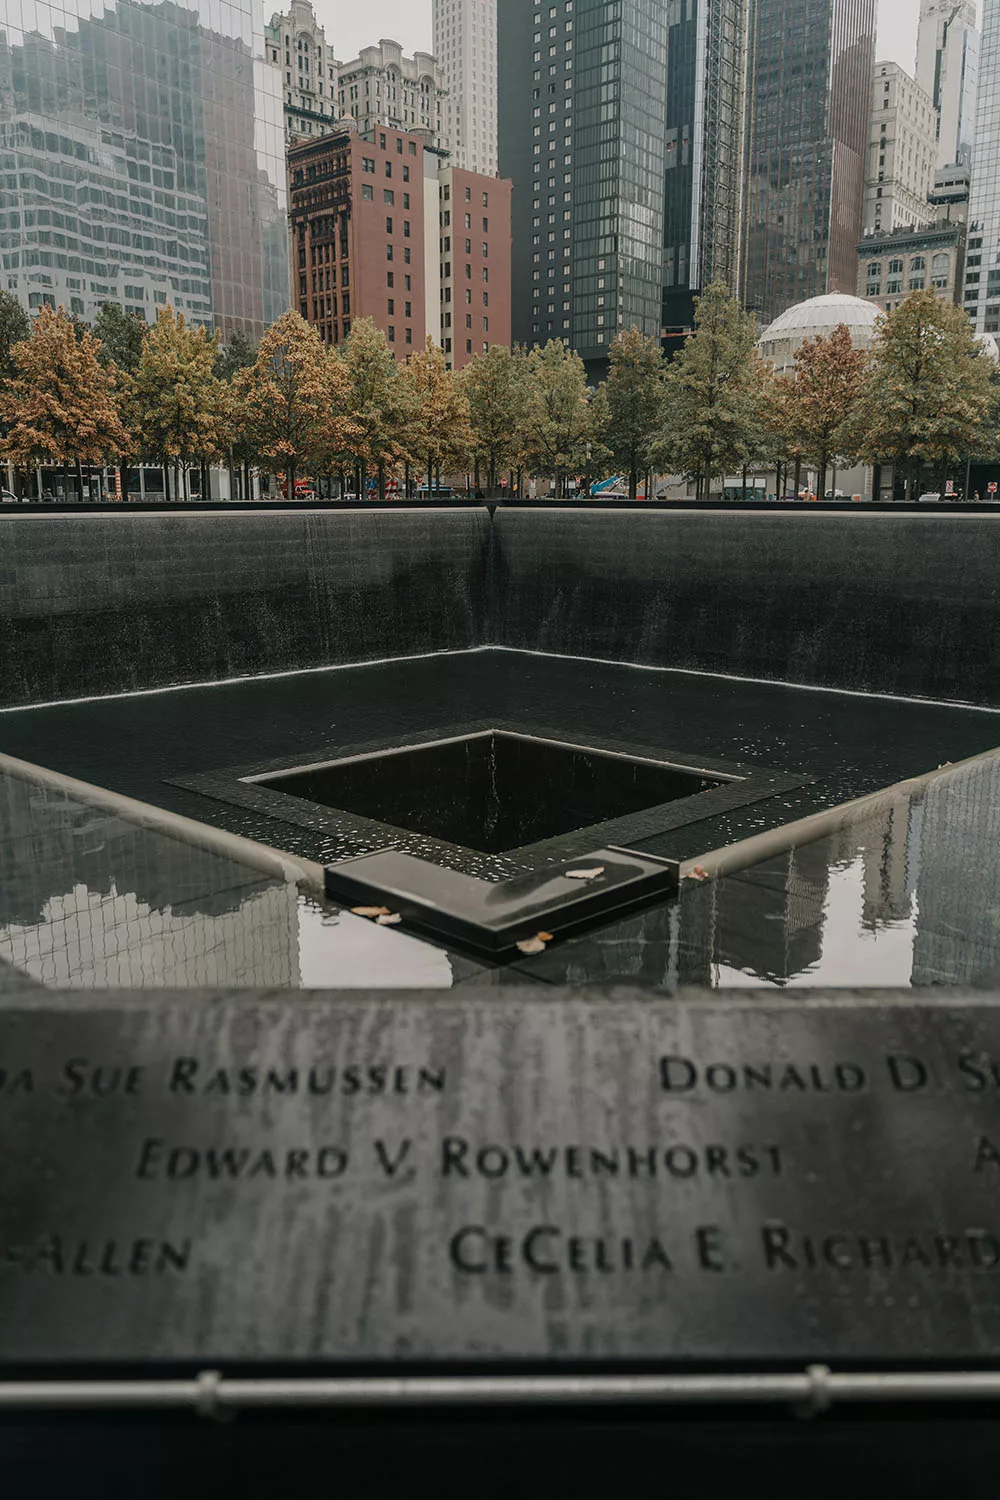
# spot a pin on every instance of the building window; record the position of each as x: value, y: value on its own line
x: 893, y: 285
x: 388, y: 252
x: 367, y: 164
x: 406, y: 229
x: 388, y: 197
x: 874, y: 268
x: 388, y: 225
x: 895, y: 268
x: 468, y: 346
x: 406, y: 254
x: 391, y: 306
x: 390, y: 278
x: 873, y: 289
x: 409, y: 335
x: 367, y: 191
x: 392, y: 334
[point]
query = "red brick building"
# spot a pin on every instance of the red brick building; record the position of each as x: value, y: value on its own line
x: 475, y: 263
x: 373, y: 223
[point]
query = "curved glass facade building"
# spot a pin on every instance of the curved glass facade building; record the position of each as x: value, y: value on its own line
x: 142, y: 160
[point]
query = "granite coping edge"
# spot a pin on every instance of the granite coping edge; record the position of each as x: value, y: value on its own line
x: 88, y: 1002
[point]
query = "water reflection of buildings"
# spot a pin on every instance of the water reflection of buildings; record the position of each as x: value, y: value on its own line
x: 142, y: 160
x: 88, y: 900
x: 772, y: 925
x: 958, y: 891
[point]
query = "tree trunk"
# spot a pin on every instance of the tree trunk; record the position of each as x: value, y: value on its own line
x: 798, y: 475
x: 381, y: 481
x: 290, y: 482
x: 166, y: 483
x: 744, y: 483
x: 821, y: 486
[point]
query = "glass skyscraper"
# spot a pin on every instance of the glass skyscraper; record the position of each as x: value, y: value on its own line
x: 582, y: 96
x: 704, y: 152
x: 142, y: 160
x: 982, y: 262
x: 808, y: 85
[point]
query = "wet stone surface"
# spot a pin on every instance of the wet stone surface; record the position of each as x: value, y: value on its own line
x: 412, y: 1179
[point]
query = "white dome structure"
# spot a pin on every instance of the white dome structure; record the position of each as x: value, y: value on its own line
x: 817, y: 315
x: 987, y: 342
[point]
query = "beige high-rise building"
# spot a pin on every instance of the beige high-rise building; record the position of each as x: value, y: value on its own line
x: 296, y: 43
x: 902, y: 152
x: 384, y: 87
x: 465, y: 43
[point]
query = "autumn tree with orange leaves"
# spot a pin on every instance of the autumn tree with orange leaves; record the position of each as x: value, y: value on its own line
x: 60, y: 406
x: 814, y: 404
x: 294, y: 401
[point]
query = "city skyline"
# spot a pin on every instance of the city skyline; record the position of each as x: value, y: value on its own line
x: 409, y: 23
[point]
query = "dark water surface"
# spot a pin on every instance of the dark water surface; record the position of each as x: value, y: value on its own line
x: 910, y: 894
x: 850, y: 744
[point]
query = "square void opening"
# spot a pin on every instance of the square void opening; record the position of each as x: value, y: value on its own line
x: 492, y: 791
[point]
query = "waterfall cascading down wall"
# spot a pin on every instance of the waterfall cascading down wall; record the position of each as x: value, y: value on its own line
x: 107, y: 603
x: 906, y: 604
x: 875, y: 602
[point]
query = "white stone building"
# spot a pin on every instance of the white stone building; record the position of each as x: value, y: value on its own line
x: 296, y: 43
x: 948, y: 70
x: 465, y: 43
x: 902, y: 152
x: 384, y: 87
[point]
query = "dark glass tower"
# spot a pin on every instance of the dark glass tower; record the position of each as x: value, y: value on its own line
x: 142, y: 160
x: 704, y: 152
x: 809, y: 80
x: 582, y: 90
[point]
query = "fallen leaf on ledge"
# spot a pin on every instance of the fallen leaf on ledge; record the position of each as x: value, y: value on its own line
x: 585, y: 874
x: 531, y: 945
x: 698, y: 873
x: 369, y: 911
x: 544, y: 937
x: 388, y: 919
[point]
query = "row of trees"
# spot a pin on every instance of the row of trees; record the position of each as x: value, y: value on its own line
x: 925, y: 394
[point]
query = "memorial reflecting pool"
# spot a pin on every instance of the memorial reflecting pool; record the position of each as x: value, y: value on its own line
x: 907, y: 893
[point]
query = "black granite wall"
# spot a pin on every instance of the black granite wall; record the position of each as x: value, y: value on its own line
x: 103, y: 603
x: 112, y: 602
x: 872, y: 601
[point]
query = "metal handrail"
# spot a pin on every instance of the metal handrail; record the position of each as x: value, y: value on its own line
x: 210, y: 1394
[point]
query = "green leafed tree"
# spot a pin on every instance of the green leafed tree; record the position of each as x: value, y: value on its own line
x: 380, y: 400
x: 15, y: 325
x: 239, y: 354
x: 121, y: 335
x: 929, y: 394
x: 633, y: 404
x: 177, y: 407
x: 496, y: 387
x: 713, y: 408
x: 558, y: 422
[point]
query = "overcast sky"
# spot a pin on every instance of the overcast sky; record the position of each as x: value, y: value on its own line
x: 351, y: 27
